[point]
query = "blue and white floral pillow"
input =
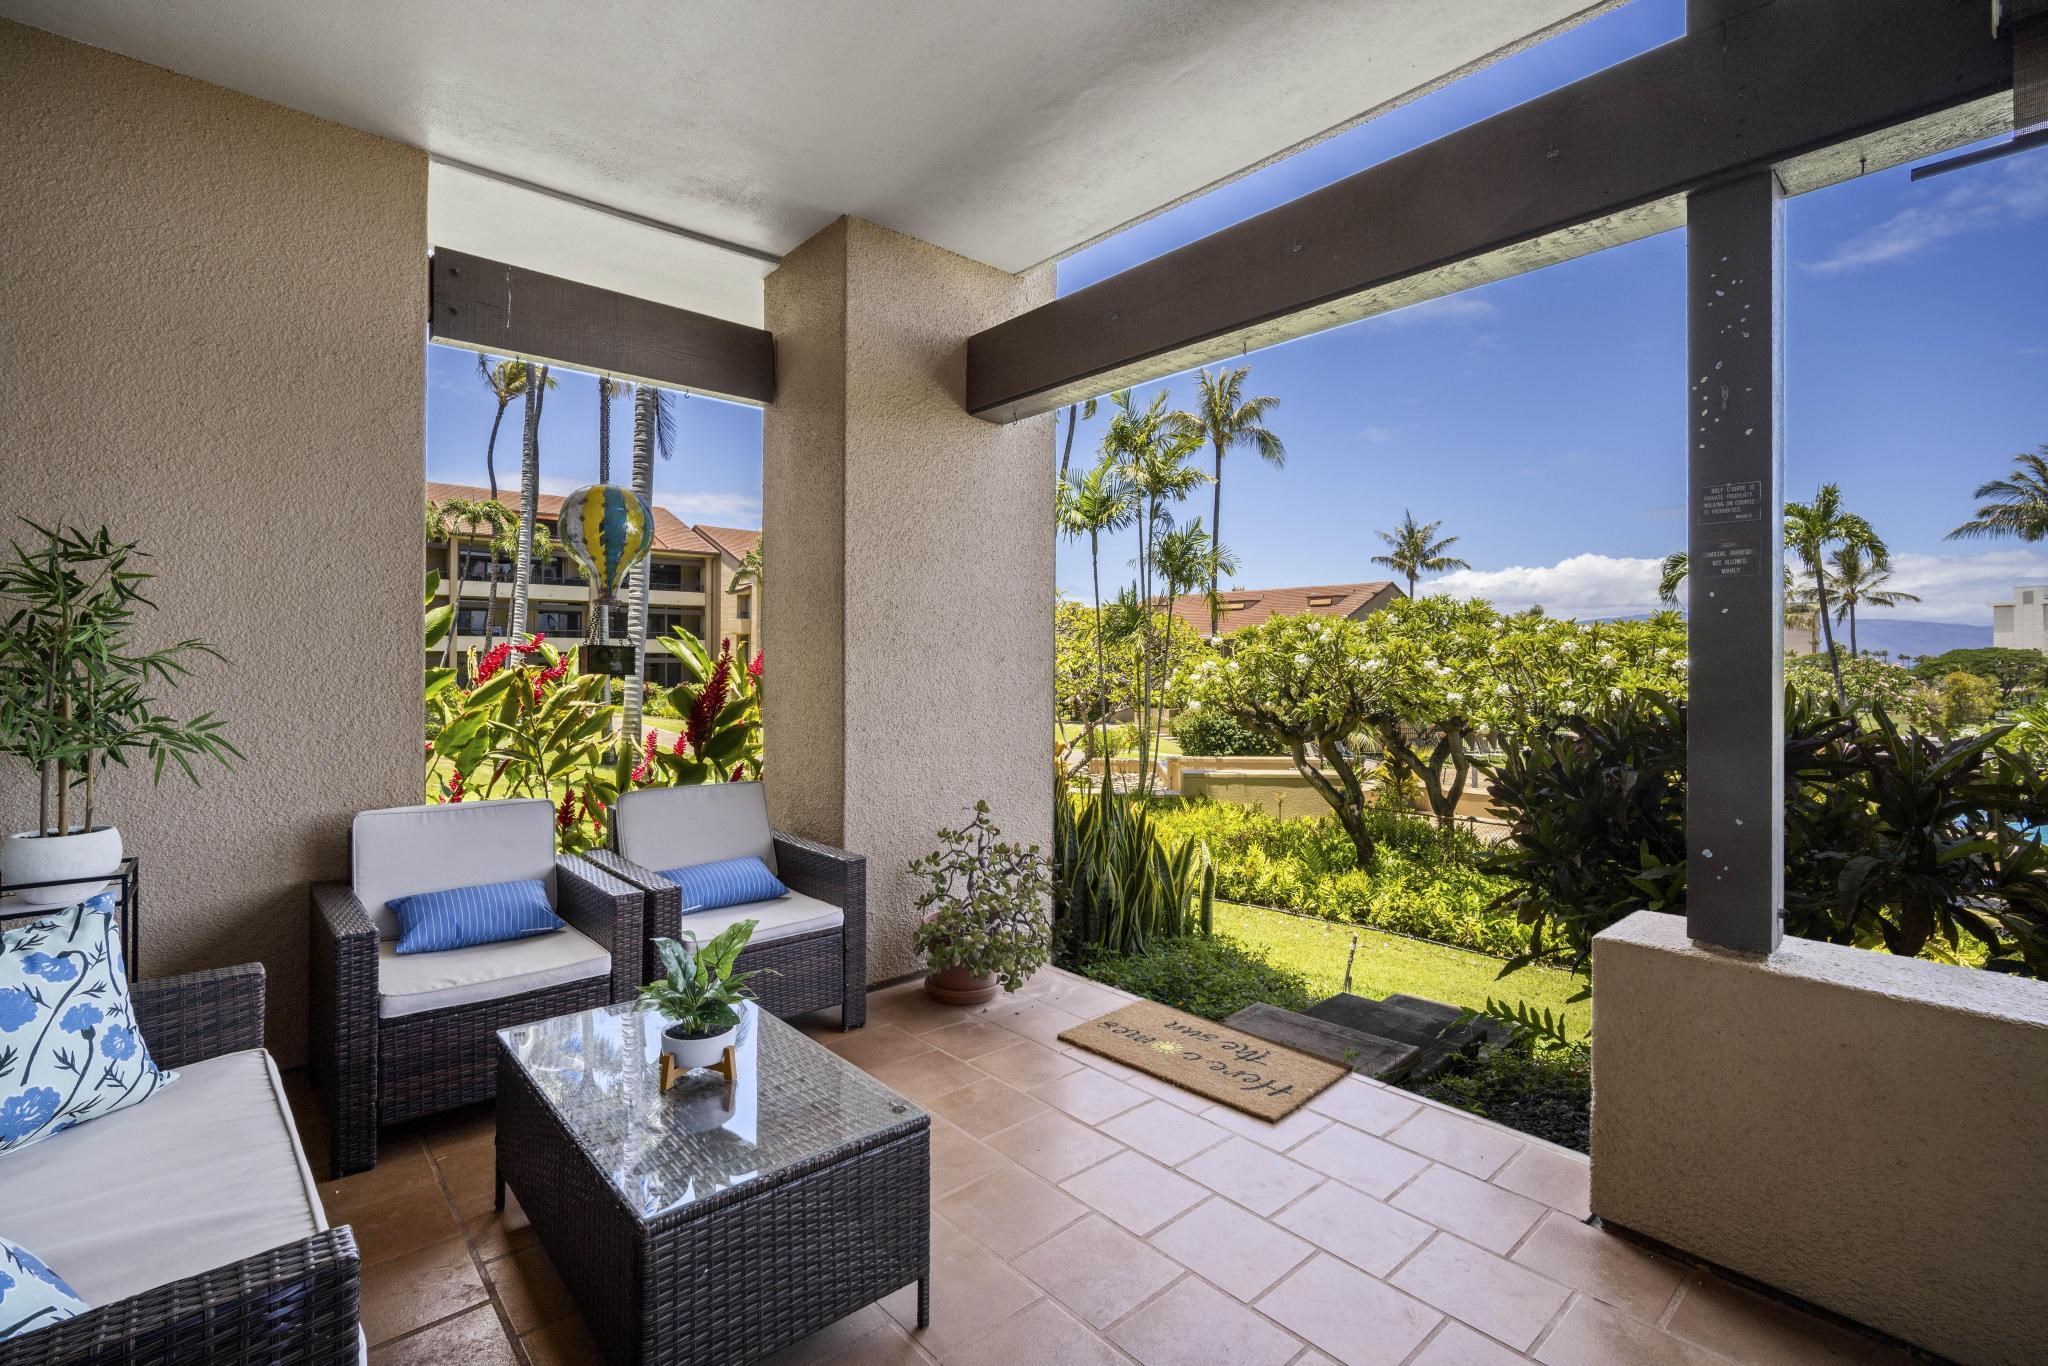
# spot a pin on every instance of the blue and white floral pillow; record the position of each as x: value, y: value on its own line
x: 69, y: 1047
x: 31, y: 1295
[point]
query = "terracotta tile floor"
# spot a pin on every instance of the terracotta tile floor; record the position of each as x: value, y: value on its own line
x: 1085, y: 1213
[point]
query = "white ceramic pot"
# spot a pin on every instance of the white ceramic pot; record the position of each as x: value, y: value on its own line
x: 92, y: 856
x: 690, y: 1053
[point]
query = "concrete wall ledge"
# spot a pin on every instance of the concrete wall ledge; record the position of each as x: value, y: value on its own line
x: 1861, y: 1131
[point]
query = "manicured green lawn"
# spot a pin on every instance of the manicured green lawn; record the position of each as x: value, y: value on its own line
x: 1068, y: 730
x: 1389, y: 963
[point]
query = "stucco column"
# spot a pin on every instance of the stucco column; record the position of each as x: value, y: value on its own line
x: 910, y: 552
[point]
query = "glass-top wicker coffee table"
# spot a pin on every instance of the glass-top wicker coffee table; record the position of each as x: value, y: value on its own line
x: 711, y: 1223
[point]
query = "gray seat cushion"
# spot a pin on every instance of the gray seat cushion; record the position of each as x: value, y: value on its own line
x: 680, y: 827
x: 781, y: 918
x: 205, y: 1172
x: 412, y: 983
x: 407, y: 849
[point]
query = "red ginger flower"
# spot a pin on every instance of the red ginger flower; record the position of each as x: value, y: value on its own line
x: 754, y: 669
x: 710, y: 701
x: 493, y: 661
x: 646, y: 764
x: 566, y: 816
x: 548, y: 676
x: 455, y: 792
x: 532, y: 643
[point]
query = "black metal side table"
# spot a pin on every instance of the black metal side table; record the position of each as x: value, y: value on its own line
x: 127, y: 887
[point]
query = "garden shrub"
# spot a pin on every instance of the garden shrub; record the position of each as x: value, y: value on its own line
x: 1214, y: 733
x: 1540, y: 1090
x: 1212, y: 976
x: 1425, y: 880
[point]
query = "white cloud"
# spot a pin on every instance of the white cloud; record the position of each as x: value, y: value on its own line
x: 715, y: 509
x: 1449, y: 308
x: 1952, y: 587
x: 2018, y: 192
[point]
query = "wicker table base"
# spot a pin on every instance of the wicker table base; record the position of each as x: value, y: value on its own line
x: 685, y: 1239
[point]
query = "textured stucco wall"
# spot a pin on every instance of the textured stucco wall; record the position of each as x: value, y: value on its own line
x: 1862, y: 1131
x: 915, y: 565
x: 213, y: 333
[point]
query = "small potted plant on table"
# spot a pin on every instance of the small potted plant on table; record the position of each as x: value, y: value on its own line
x: 700, y: 994
x: 985, y: 923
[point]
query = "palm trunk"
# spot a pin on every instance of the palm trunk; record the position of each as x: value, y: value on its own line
x: 644, y: 399
x: 1073, y: 421
x: 491, y: 450
x: 529, y: 501
x: 1827, y: 631
x: 1144, y: 712
x: 1101, y: 718
x: 1853, y: 650
x: 1215, y: 541
x: 454, y: 592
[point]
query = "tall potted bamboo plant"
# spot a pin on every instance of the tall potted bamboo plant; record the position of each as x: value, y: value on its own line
x: 75, y: 695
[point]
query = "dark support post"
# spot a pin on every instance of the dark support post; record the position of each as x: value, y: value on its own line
x: 1735, y: 741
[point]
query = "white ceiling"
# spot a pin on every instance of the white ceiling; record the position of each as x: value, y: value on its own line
x: 1010, y: 131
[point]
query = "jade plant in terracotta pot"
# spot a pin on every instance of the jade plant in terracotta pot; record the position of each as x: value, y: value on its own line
x: 985, y: 924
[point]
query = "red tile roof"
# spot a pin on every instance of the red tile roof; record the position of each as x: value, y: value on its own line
x: 1243, y: 607
x: 734, y: 541
x: 671, y: 533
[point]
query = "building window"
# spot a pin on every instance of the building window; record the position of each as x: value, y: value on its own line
x: 470, y: 618
x: 676, y: 576
x: 561, y: 622
x: 2027, y: 597
x: 745, y: 608
x: 664, y: 673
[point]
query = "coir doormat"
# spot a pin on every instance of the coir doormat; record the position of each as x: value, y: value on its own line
x: 1234, y: 1069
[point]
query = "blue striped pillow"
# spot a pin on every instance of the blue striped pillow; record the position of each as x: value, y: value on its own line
x: 729, y: 882
x: 463, y: 917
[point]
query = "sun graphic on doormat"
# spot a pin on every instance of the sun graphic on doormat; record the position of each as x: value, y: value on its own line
x: 1164, y: 1047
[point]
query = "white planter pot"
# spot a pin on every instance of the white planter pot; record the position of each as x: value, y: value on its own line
x: 93, y: 856
x: 690, y: 1053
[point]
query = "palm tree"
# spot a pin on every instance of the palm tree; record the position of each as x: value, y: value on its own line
x: 1671, y: 576
x: 1150, y: 450
x: 748, y: 575
x: 1186, y: 557
x: 1097, y: 503
x: 1860, y: 578
x: 535, y: 393
x: 1230, y: 420
x: 2015, y: 506
x: 1415, y: 549
x: 506, y: 380
x: 1811, y: 531
x: 606, y: 387
x: 465, y: 519
x: 1075, y: 411
x: 654, y: 431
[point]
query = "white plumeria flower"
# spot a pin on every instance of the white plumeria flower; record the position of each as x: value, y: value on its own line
x: 1454, y: 698
x: 1303, y: 660
x: 1232, y: 666
x: 1502, y: 690
x: 1570, y: 647
x: 1608, y: 661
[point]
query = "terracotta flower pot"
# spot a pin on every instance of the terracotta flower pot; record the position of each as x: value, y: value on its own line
x: 959, y: 987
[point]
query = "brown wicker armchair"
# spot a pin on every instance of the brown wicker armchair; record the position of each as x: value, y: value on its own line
x: 814, y: 943
x: 292, y: 1304
x: 395, y: 1038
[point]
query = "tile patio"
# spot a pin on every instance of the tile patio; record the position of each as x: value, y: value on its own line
x: 1084, y: 1213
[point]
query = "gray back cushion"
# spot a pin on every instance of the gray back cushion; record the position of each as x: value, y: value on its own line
x: 409, y: 849
x: 678, y: 827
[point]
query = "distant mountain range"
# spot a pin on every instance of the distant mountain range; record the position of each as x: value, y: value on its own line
x: 1914, y: 638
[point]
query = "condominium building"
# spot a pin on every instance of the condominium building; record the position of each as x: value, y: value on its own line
x: 689, y: 584
x: 2022, y: 623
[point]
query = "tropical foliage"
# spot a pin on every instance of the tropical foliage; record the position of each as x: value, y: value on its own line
x: 1120, y: 886
x: 2016, y: 505
x: 1414, y: 549
x: 1229, y: 421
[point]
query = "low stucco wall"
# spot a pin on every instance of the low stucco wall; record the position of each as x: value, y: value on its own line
x: 1861, y: 1131
x: 211, y: 321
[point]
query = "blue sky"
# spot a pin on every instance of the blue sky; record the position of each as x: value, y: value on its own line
x: 1541, y: 418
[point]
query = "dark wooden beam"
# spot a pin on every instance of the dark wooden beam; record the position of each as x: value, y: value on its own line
x: 1604, y: 160
x: 508, y: 310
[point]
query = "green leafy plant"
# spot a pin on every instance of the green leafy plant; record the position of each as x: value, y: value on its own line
x: 699, y: 991
x: 1213, y: 733
x: 75, y: 695
x: 984, y: 903
x: 1120, y: 886
x: 1213, y: 976
x: 719, y: 704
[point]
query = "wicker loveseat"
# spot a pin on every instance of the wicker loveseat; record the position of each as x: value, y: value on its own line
x: 395, y: 1037
x: 190, y: 1222
x: 814, y: 940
